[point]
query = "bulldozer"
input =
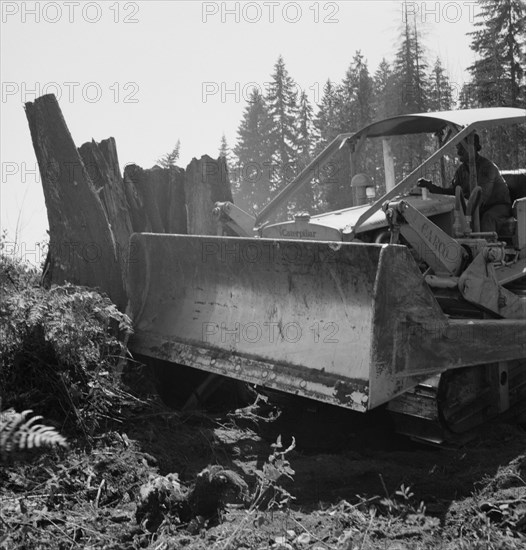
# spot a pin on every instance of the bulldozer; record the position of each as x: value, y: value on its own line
x: 401, y: 303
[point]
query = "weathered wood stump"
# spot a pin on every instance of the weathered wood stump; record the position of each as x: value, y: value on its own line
x: 93, y: 209
x: 206, y: 183
x: 161, y: 194
x: 82, y: 244
x: 105, y: 175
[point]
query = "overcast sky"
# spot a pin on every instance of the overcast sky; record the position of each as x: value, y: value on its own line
x: 149, y: 73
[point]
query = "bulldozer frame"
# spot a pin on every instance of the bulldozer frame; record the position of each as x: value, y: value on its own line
x: 402, y: 303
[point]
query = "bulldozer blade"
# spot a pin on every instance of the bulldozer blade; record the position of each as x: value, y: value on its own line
x: 350, y: 324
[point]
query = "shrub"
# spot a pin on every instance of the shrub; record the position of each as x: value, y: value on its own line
x: 60, y: 349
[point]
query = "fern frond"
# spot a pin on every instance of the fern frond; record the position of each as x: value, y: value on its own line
x: 36, y: 314
x: 9, y: 421
x: 19, y: 433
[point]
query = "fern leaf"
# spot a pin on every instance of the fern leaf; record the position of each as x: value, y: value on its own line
x: 19, y: 433
x: 25, y: 429
x: 36, y: 314
x: 45, y: 436
x: 8, y: 428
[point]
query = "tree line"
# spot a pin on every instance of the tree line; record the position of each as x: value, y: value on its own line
x: 280, y: 130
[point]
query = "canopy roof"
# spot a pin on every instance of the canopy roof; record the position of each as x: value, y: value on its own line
x: 433, y: 122
x: 399, y: 125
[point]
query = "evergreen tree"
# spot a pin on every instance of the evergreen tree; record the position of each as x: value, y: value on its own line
x: 305, y: 199
x: 356, y: 95
x: 326, y: 122
x: 282, y: 104
x: 440, y: 90
x: 327, y: 126
x: 252, y: 170
x: 409, y: 69
x: 498, y: 76
x: 465, y: 100
x: 224, y: 150
x: 384, y: 103
x: 354, y: 107
x: 169, y: 159
x: 441, y: 99
x: 420, y: 70
x: 410, y: 85
x: 499, y: 45
x: 304, y: 138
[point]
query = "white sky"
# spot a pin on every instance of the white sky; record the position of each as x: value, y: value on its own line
x: 148, y: 73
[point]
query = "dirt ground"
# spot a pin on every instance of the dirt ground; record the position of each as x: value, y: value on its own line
x: 165, y: 480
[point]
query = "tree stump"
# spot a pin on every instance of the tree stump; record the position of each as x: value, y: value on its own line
x: 93, y: 210
x: 109, y: 184
x: 83, y: 249
x: 161, y: 193
x: 206, y: 183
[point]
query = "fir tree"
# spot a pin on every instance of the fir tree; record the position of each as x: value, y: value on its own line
x: 305, y: 199
x: 465, y: 100
x: 441, y: 99
x: 440, y: 90
x: 499, y: 45
x: 357, y: 94
x: 409, y: 69
x: 354, y: 111
x: 384, y: 105
x: 326, y: 122
x: 384, y: 101
x: 304, y: 137
x: 224, y: 150
x: 498, y: 76
x: 410, y: 85
x: 252, y: 170
x: 283, y: 110
x: 170, y: 159
x: 327, y: 125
